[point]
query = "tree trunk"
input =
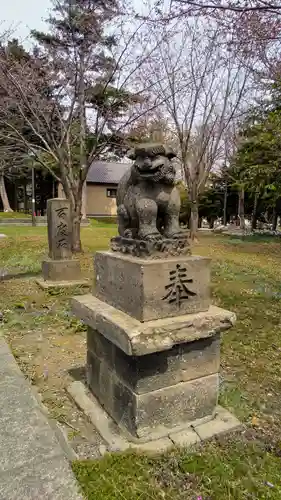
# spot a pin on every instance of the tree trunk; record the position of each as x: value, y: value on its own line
x: 194, y: 214
x: 254, y: 215
x: 83, y: 128
x: 16, y: 196
x: 211, y: 222
x: 241, y: 207
x: 73, y: 192
x: 25, y: 208
x: 76, y: 228
x: 4, y: 196
x: 84, y: 201
x: 194, y: 217
x: 274, y: 219
x: 225, y: 205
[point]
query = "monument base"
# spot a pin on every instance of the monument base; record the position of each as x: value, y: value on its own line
x: 51, y: 285
x: 186, y: 436
x: 61, y: 274
x: 61, y: 270
x: 156, y: 376
x: 159, y: 248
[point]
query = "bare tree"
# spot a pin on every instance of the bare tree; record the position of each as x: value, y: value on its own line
x: 13, y: 164
x: 255, y: 26
x: 3, y: 193
x: 232, y: 140
x: 80, y: 96
x: 260, y: 36
x: 203, y: 88
x: 236, y: 6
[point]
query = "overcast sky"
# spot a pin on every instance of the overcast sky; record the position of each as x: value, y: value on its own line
x: 24, y: 15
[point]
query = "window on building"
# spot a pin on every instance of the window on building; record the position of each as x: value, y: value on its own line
x: 111, y: 193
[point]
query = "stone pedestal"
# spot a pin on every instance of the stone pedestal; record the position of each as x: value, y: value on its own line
x: 60, y: 269
x: 153, y: 394
x: 153, y: 343
x: 149, y: 289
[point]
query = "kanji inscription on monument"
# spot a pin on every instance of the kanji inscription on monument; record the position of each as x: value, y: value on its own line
x: 177, y: 288
x: 62, y: 229
x: 59, y: 229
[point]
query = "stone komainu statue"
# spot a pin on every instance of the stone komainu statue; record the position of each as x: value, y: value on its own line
x: 147, y: 199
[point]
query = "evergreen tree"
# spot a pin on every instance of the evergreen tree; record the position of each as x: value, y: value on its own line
x: 77, y: 50
x: 66, y: 96
x: 257, y: 163
x: 74, y: 94
x: 15, y: 162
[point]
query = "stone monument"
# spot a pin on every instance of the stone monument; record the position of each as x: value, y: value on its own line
x: 60, y: 269
x: 153, y: 342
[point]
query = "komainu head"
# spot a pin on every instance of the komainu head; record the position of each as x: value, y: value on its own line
x: 153, y: 163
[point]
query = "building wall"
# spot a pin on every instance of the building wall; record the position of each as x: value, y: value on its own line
x: 97, y: 203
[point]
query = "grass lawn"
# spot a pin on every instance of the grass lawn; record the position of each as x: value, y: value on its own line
x: 14, y: 215
x: 50, y: 345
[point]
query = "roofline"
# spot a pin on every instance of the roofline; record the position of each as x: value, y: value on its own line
x: 103, y: 183
x: 112, y: 162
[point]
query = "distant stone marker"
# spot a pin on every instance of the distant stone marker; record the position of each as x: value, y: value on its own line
x: 60, y: 269
x: 59, y: 229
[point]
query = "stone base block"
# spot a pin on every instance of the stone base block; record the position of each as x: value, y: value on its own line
x: 156, y: 412
x: 151, y: 372
x: 61, y: 270
x: 149, y: 289
x: 156, y: 376
x: 51, y: 285
x: 156, y: 249
x: 148, y: 395
x: 136, y: 338
x: 221, y: 422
